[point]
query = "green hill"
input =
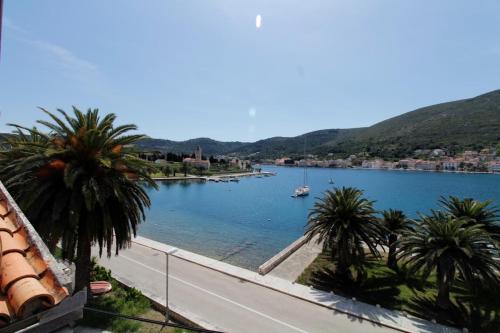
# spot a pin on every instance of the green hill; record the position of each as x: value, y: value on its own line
x: 209, y: 146
x: 470, y: 123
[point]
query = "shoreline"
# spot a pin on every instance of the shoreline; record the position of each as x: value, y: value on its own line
x: 222, y: 175
x: 387, y: 169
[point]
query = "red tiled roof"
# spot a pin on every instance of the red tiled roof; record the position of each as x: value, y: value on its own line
x: 28, y: 284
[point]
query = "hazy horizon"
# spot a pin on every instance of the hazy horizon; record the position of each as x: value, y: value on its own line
x: 191, y: 69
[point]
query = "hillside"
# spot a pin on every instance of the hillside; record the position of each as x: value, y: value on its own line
x: 210, y: 147
x: 469, y: 123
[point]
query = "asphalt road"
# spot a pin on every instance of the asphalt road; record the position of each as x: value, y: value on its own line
x: 228, y: 303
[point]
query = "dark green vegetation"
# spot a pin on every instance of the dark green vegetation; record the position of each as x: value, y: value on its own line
x: 345, y: 222
x: 442, y: 266
x: 395, y: 223
x: 77, y: 185
x: 125, y: 301
x: 470, y: 123
x: 210, y: 147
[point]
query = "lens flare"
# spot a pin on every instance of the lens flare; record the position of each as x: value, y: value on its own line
x: 252, y: 112
x: 258, y: 21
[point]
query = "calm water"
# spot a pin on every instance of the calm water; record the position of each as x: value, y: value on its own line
x: 246, y: 223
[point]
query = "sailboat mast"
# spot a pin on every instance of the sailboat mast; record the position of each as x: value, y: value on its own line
x: 305, y: 162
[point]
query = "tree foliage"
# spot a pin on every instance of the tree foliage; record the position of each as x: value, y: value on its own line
x: 345, y: 222
x: 77, y: 183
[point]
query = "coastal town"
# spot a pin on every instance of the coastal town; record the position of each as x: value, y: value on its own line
x: 485, y: 161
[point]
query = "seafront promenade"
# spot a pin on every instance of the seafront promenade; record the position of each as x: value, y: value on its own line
x: 220, y: 296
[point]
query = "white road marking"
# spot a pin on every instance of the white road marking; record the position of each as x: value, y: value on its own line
x: 215, y: 295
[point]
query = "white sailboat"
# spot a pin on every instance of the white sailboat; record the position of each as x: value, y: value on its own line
x: 303, y: 190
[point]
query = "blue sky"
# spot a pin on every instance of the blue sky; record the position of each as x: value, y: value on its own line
x: 183, y: 69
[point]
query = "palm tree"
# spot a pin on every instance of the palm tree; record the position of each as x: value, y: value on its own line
x: 167, y: 171
x: 478, y: 213
x: 394, y: 222
x: 184, y: 168
x: 450, y: 246
x: 77, y: 183
x: 345, y: 221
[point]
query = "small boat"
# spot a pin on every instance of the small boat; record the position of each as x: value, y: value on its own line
x: 331, y: 181
x: 301, y: 191
x: 234, y: 180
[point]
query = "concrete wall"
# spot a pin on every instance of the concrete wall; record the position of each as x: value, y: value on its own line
x: 281, y: 256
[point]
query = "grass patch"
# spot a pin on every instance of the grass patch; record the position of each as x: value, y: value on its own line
x: 390, y: 289
x: 126, y: 301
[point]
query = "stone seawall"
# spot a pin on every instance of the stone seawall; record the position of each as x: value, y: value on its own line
x: 281, y: 256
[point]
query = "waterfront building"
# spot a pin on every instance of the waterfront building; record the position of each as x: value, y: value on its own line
x: 284, y: 161
x: 425, y: 165
x: 197, y: 161
x: 494, y: 167
x: 451, y: 164
x: 242, y: 164
x: 470, y: 154
x: 408, y: 163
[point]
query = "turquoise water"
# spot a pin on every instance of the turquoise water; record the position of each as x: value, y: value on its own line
x: 248, y: 222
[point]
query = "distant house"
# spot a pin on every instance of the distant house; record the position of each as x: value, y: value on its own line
x: 374, y: 164
x: 340, y: 163
x: 407, y: 163
x: 284, y: 161
x: 451, y: 164
x: 425, y: 165
x: 242, y: 164
x: 494, y: 167
x: 470, y: 154
x: 438, y: 153
x: 36, y: 289
x: 197, y: 161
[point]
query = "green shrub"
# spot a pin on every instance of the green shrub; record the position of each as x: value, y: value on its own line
x: 99, y: 273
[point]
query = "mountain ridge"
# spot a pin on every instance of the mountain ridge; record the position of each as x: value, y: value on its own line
x: 456, y: 125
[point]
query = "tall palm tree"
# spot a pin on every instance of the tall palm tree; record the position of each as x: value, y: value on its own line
x: 450, y: 246
x: 77, y: 183
x: 345, y: 221
x: 394, y: 222
x: 478, y: 212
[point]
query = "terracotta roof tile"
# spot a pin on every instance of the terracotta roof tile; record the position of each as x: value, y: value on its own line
x: 47, y: 281
x: 27, y: 296
x: 38, y: 264
x: 6, y: 311
x: 10, y: 220
x: 13, y: 243
x: 27, y: 279
x: 4, y: 210
x: 15, y: 267
x: 7, y: 225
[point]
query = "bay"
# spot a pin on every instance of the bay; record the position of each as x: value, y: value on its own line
x: 248, y: 222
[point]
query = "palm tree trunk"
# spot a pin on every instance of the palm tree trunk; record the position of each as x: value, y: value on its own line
x: 342, y: 268
x: 391, y: 257
x: 83, y: 261
x: 443, y: 297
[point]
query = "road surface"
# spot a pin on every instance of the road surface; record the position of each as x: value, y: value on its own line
x: 225, y: 302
